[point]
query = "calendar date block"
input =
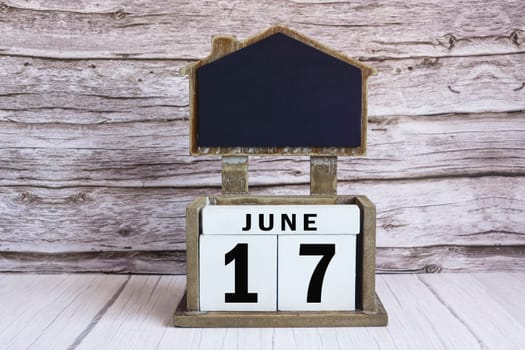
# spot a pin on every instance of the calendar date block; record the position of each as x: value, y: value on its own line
x: 316, y: 272
x: 238, y: 273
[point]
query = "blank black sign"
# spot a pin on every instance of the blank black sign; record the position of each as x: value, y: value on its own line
x: 278, y: 92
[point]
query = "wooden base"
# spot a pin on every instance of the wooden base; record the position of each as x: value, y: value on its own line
x: 215, y: 319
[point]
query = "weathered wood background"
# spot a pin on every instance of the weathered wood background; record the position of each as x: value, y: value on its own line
x: 94, y: 165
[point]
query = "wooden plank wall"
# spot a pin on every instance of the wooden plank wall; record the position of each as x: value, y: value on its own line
x: 94, y: 165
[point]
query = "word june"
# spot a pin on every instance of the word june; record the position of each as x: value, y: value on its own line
x: 286, y: 221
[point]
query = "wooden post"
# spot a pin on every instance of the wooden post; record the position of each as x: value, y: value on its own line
x: 323, y: 175
x: 234, y: 174
x: 367, y: 255
x: 192, y: 253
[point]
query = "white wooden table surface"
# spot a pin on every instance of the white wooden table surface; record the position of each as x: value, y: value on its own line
x: 79, y: 311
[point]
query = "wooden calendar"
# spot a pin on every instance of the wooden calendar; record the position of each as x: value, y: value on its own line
x: 279, y: 261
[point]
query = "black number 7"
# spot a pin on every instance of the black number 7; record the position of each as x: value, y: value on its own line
x: 316, y: 282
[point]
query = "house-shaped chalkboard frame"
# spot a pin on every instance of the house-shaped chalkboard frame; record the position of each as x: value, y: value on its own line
x: 227, y: 45
x: 323, y: 190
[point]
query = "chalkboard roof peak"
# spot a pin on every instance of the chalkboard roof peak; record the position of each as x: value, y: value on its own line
x: 223, y: 45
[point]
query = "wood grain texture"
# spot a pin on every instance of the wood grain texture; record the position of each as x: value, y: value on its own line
x: 234, y: 174
x: 323, y: 175
x: 506, y: 290
x: 445, y: 311
x: 430, y: 259
x: 501, y: 329
x: 137, y: 319
x: 450, y: 258
x: 94, y: 166
x: 366, y: 256
x: 50, y: 311
x: 91, y: 91
x: 153, y: 154
x: 423, y: 321
x: 68, y: 223
x: 108, y: 261
x: 279, y: 319
x: 486, y: 210
x: 42, y: 220
x: 104, y: 91
x: 182, y: 29
x: 434, y: 85
x: 193, y: 224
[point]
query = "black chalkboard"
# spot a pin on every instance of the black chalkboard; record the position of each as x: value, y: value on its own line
x: 278, y: 92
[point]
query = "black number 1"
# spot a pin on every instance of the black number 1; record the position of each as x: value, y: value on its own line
x: 316, y: 282
x: 239, y: 253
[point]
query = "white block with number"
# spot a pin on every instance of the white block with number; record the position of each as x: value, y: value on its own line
x: 333, y: 290
x: 279, y: 219
x: 222, y: 259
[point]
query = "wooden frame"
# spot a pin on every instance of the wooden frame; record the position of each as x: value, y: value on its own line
x: 369, y: 310
x: 225, y: 45
x: 323, y: 190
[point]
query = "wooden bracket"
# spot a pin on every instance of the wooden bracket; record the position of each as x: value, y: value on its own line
x: 234, y: 174
x: 323, y: 175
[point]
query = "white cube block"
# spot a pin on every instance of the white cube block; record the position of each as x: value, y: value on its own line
x: 316, y: 272
x: 280, y: 219
x: 238, y: 272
